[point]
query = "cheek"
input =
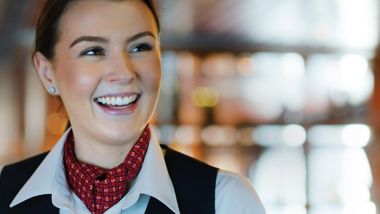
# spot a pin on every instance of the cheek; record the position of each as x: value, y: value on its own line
x: 151, y: 80
x: 76, y: 80
x: 151, y: 75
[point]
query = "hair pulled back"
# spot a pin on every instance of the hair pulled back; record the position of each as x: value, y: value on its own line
x: 48, y: 24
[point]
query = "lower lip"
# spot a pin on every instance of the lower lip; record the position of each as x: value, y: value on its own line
x: 129, y: 109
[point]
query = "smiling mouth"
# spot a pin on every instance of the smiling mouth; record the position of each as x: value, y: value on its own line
x: 117, y: 102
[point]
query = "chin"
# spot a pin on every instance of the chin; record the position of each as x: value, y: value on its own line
x: 122, y: 134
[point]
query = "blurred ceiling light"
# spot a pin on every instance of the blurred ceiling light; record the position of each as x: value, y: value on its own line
x: 215, y: 135
x: 294, y: 209
x: 294, y: 135
x: 187, y: 135
x: 324, y: 135
x: 167, y: 134
x: 279, y: 135
x: 361, y: 29
x: 354, y: 65
x: 260, y: 98
x: 219, y: 65
x: 245, y: 66
x: 267, y: 135
x: 356, y: 178
x: 348, y: 182
x: 286, y: 208
x: 353, y: 79
x: 226, y: 159
x: 367, y: 208
x: 356, y: 183
x: 292, y: 78
x: 205, y: 97
x: 187, y: 64
x: 277, y: 84
x: 341, y: 80
x: 317, y: 83
x: 356, y: 135
x: 352, y: 135
x: 293, y: 66
x: 279, y: 176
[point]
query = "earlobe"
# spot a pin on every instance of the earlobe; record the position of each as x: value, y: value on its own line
x: 45, y: 72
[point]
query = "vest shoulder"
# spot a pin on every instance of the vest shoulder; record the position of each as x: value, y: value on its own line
x: 194, y: 182
x: 186, y: 162
x: 14, y: 176
x: 24, y: 166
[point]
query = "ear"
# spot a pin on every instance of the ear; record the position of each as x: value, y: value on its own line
x: 45, y: 71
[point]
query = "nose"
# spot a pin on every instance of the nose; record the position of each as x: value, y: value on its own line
x: 121, y: 69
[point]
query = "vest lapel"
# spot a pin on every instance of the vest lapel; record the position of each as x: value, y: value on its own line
x: 39, y: 204
x: 195, y: 194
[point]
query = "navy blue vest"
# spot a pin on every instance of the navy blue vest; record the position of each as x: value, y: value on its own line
x: 194, y: 184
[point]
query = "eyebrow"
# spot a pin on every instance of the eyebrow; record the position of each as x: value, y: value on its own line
x: 140, y: 35
x: 104, y: 40
x: 88, y: 39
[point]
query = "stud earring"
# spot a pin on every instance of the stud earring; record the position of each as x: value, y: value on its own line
x: 52, y: 90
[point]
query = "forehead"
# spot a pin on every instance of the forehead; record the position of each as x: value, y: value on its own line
x: 96, y: 16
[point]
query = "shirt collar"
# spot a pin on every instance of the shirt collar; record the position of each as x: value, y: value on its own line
x: 42, y: 180
x: 154, y: 179
x: 49, y: 174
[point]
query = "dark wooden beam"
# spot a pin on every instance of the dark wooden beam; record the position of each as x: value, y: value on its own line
x: 203, y: 43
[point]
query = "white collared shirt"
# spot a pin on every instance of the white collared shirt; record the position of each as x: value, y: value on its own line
x: 233, y: 193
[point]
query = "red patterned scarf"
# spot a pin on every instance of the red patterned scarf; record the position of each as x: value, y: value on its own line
x: 99, y: 188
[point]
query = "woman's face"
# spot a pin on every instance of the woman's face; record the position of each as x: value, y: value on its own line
x: 107, y: 69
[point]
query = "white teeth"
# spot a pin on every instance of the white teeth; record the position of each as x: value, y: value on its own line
x: 113, y: 101
x: 119, y: 101
x: 116, y: 101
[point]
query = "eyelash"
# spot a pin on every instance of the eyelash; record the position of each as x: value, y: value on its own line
x: 99, y: 51
x: 141, y: 48
x: 94, y: 51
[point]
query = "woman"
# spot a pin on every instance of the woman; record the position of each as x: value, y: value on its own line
x: 102, y: 58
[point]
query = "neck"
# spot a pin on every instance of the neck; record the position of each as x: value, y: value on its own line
x: 106, y: 158
x: 103, y: 155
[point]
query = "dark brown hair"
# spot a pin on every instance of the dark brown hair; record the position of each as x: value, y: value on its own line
x: 48, y: 24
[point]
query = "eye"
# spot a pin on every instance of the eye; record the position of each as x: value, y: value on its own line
x: 94, y: 51
x: 140, y: 48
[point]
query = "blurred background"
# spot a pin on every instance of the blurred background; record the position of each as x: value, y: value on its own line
x: 284, y: 92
